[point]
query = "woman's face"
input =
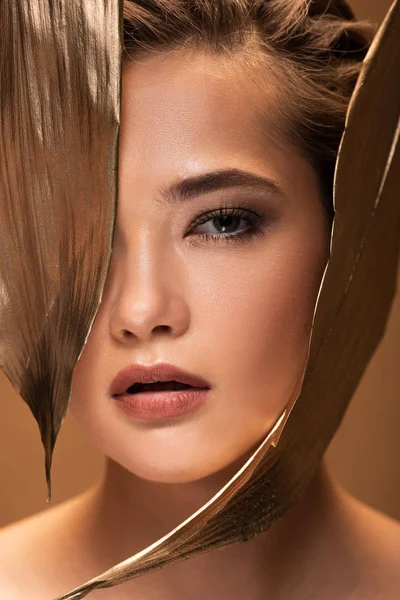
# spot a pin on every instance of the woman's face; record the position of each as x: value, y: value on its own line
x: 234, y: 307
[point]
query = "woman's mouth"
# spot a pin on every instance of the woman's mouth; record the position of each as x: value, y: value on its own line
x: 161, y: 400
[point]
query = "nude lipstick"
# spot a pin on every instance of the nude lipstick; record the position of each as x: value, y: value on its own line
x: 158, y: 391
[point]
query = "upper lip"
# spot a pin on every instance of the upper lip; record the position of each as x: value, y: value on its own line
x: 137, y: 373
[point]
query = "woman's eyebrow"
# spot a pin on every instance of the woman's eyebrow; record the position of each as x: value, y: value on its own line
x: 196, y: 185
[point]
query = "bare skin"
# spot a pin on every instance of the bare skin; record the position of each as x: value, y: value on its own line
x: 328, y: 546
x: 169, y: 299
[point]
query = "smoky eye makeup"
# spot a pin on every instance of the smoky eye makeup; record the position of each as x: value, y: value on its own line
x: 228, y: 224
x: 237, y: 219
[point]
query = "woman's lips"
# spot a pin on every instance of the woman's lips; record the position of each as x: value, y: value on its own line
x: 158, y: 371
x: 162, y: 404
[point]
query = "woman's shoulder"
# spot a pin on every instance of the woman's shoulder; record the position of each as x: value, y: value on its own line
x: 376, y: 547
x: 378, y: 525
x: 20, y: 544
x: 30, y: 548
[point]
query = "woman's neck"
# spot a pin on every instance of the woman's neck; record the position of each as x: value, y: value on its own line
x: 123, y: 514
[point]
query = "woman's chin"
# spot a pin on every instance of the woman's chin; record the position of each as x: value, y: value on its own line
x: 188, y: 467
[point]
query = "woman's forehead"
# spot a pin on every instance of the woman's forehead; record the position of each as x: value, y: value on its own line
x: 197, y: 101
x: 181, y: 116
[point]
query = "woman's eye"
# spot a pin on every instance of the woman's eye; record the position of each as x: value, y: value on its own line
x: 228, y: 224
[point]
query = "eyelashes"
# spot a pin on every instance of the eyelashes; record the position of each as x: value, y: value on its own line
x: 224, y: 220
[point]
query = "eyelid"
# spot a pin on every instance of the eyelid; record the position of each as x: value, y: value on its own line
x: 256, y: 224
x: 225, y: 210
x: 256, y: 202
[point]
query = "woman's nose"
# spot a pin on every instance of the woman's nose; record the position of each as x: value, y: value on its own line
x: 149, y: 300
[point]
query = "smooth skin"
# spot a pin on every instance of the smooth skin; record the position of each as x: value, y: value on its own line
x: 236, y: 312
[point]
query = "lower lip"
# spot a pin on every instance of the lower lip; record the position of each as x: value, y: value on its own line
x: 162, y: 405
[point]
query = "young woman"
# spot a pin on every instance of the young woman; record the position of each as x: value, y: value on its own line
x: 230, y: 127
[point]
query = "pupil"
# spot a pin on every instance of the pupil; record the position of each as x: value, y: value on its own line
x: 224, y: 219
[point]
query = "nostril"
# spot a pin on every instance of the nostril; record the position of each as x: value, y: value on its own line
x: 162, y: 328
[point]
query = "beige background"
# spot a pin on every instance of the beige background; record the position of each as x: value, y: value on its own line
x: 364, y: 453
